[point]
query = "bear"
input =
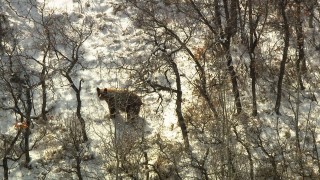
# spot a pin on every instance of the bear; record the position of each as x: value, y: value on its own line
x: 121, y: 100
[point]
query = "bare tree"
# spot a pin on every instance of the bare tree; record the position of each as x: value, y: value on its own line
x: 286, y: 38
x: 67, y: 46
x: 252, y: 44
x: 300, y: 62
x: 166, y: 58
x: 310, y: 5
x: 230, y: 9
x: 72, y: 143
x: 9, y: 152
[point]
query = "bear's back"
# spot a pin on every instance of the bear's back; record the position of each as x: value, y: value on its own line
x: 120, y: 96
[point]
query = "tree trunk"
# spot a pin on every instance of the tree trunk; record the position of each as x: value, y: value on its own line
x: 27, y: 130
x: 181, y: 120
x: 78, y: 112
x: 300, y: 58
x: 230, y: 30
x: 5, y: 168
x: 282, y: 7
x: 300, y: 45
x: 44, y: 100
x: 78, y: 160
x: 252, y: 46
x: 44, y: 87
x: 82, y: 122
x: 7, y: 151
x: 233, y: 76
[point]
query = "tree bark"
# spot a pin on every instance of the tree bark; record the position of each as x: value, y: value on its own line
x: 181, y: 120
x: 44, y: 85
x: 7, y: 151
x: 252, y: 46
x: 5, y: 168
x: 282, y: 9
x: 78, y: 166
x: 27, y: 130
x: 230, y: 31
x: 300, y: 58
x: 300, y: 45
x: 79, y: 104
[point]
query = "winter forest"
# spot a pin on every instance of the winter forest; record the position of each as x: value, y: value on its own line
x: 229, y: 89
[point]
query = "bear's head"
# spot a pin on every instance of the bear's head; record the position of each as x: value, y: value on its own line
x: 101, y: 92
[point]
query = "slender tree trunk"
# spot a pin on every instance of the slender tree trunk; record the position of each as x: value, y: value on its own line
x: 5, y: 168
x: 233, y: 76
x: 315, y: 149
x: 252, y: 45
x: 282, y: 7
x: 230, y: 30
x: 6, y: 153
x: 79, y: 104
x: 44, y: 100
x: 27, y: 130
x: 181, y: 120
x: 217, y: 15
x: 300, y: 45
x: 76, y: 141
x: 202, y: 73
x: 247, y: 148
x: 117, y: 155
x: 78, y: 167
x: 297, y: 129
x: 300, y: 58
x: 82, y: 122
x: 253, y: 86
x: 44, y: 86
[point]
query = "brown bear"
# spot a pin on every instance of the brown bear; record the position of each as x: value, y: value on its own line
x: 121, y: 100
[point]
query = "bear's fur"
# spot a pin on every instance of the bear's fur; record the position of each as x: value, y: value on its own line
x: 121, y: 100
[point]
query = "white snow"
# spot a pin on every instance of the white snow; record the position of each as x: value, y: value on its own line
x: 113, y: 38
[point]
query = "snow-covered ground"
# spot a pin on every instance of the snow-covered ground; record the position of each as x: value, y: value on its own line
x: 114, y: 39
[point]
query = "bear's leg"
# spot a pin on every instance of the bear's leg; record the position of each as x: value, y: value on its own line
x: 132, y: 113
x: 129, y: 115
x: 112, y: 111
